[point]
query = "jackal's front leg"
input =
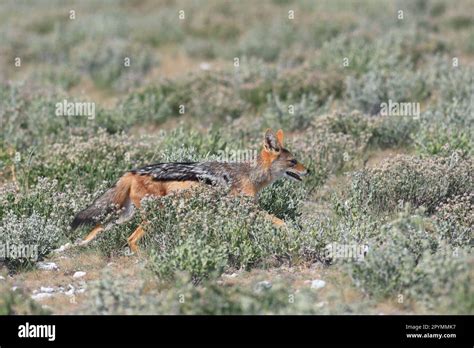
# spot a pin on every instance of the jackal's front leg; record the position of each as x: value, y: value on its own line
x: 275, y: 221
x: 134, y: 238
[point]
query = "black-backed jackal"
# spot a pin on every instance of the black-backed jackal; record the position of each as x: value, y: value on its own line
x: 161, y: 179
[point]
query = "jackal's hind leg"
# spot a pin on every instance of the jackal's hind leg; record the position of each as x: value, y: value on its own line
x: 134, y: 238
x: 92, y: 234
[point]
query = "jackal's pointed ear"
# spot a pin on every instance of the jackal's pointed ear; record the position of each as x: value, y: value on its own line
x: 271, y: 142
x: 280, y: 136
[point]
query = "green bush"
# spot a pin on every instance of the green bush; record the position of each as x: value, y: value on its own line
x: 28, y: 115
x: 104, y: 62
x: 278, y: 114
x: 455, y: 219
x: 393, y: 255
x: 367, y: 92
x: 444, y: 280
x: 205, y: 96
x: 284, y: 199
x: 116, y: 296
x: 266, y: 40
x: 209, y: 232
x: 410, y: 180
x: 17, y: 303
x: 102, y: 157
x: 37, y: 218
x: 447, y: 125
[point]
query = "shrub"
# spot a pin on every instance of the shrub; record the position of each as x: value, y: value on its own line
x: 63, y: 77
x: 266, y: 40
x: 447, y: 124
x: 90, y: 162
x: 393, y: 255
x: 367, y: 92
x: 37, y: 218
x: 192, y: 255
x: 17, y: 303
x: 116, y: 296
x: 209, y: 230
x: 278, y: 114
x: 105, y: 63
x: 410, y: 257
x: 406, y: 179
x: 455, y: 219
x: 292, y: 85
x: 356, y: 49
x: 205, y: 96
x: 27, y: 115
x: 283, y: 198
x: 443, y: 280
x: 155, y: 29
x: 442, y: 139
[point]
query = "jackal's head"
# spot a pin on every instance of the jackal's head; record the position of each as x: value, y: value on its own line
x: 278, y: 160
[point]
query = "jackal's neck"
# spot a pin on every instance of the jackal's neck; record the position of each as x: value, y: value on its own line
x: 260, y: 175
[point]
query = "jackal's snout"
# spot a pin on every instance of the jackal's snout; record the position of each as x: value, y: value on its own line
x: 296, y: 172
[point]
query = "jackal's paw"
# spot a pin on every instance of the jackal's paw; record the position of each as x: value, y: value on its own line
x: 278, y: 222
x: 133, y: 248
x: 63, y: 248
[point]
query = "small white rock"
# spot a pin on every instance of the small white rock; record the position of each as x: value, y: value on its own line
x: 233, y: 275
x: 47, y: 266
x: 205, y: 66
x: 2, y: 278
x: 79, y: 274
x: 46, y: 289
x: 318, y: 284
x: 41, y: 296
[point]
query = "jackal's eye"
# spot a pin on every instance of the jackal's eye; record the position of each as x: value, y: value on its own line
x: 293, y: 162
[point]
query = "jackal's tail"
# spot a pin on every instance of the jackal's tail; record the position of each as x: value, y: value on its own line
x: 111, y: 200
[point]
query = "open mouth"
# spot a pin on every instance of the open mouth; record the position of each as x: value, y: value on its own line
x: 293, y: 175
